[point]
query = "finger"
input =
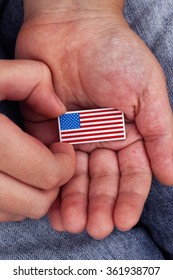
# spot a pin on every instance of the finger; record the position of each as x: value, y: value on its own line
x: 155, y: 123
x: 55, y: 216
x: 104, y: 173
x: 74, y: 197
x: 29, y: 81
x: 28, y: 160
x: 38, y: 130
x: 21, y: 200
x: 134, y: 187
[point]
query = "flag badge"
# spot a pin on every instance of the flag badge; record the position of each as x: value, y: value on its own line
x: 94, y: 125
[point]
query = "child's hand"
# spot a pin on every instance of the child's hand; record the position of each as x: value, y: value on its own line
x: 30, y: 173
x: 97, y: 61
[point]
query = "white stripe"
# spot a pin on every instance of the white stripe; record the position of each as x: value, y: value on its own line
x: 98, y: 117
x: 100, y: 122
x: 101, y: 113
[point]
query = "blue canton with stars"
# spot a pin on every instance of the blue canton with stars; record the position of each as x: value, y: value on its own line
x: 70, y: 121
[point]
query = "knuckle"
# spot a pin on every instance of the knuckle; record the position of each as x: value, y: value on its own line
x: 40, y: 209
x: 45, y: 70
x: 51, y: 181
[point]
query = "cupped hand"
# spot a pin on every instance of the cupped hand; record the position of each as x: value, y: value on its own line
x: 97, y: 61
x: 30, y: 173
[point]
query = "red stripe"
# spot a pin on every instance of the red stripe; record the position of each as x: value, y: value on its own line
x: 93, y: 139
x: 90, y: 134
x: 89, y: 130
x: 101, y: 124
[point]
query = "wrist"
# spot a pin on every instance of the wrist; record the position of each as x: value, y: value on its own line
x: 70, y: 8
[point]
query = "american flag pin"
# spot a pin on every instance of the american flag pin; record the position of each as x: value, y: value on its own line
x: 94, y: 125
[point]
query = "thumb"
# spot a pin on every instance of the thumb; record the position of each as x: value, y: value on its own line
x: 31, y: 82
x: 155, y: 123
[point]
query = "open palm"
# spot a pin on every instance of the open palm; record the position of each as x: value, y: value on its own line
x: 99, y: 62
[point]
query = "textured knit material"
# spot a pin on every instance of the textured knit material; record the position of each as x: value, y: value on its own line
x: 152, y: 238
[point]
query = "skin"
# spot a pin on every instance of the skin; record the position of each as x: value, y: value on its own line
x: 96, y: 60
x: 30, y: 173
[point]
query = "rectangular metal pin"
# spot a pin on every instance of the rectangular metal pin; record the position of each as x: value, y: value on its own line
x: 94, y: 125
